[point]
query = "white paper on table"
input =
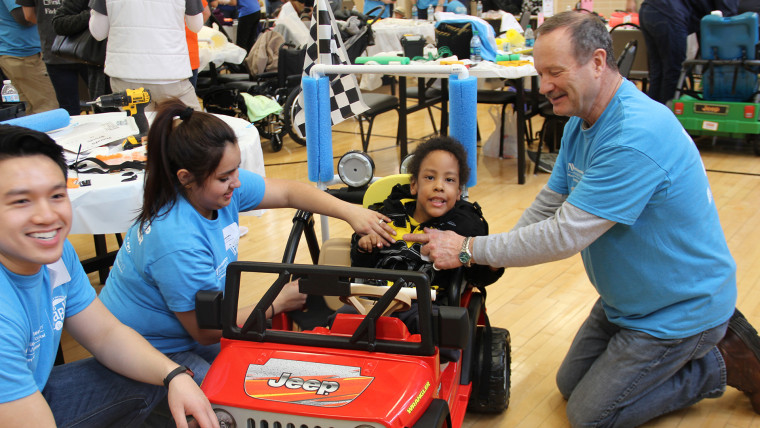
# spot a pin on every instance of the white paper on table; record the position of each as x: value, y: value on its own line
x: 94, y: 132
x: 508, y: 22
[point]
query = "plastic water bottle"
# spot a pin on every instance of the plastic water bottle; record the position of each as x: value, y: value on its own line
x: 475, y: 45
x: 10, y: 94
x: 414, y: 12
x: 479, y: 9
x: 431, y: 14
x: 529, y: 37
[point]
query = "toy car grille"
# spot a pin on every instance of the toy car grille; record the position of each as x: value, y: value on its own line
x: 258, y: 419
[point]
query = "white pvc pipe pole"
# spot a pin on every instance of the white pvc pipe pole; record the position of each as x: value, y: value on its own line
x: 318, y: 70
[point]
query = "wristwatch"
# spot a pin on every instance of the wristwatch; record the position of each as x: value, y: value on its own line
x: 178, y: 371
x: 465, y: 256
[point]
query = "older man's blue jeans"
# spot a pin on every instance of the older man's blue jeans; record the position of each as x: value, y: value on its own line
x: 87, y: 394
x: 618, y: 377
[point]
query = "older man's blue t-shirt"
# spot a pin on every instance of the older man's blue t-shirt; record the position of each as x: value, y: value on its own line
x: 32, y: 311
x: 664, y: 268
x: 160, y: 267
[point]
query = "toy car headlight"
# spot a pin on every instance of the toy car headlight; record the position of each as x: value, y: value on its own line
x: 356, y: 168
x: 404, y: 167
x: 225, y: 419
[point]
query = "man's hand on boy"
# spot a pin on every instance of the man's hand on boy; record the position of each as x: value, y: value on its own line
x: 441, y: 246
x: 365, y: 221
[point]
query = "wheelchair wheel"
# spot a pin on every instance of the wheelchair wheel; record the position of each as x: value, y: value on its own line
x: 496, y: 400
x: 288, y: 116
x: 276, y: 142
x: 271, y: 128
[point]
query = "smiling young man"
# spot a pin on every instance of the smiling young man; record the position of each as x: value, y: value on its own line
x: 630, y: 193
x: 43, y: 289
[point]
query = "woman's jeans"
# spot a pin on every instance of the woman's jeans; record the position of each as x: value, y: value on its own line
x: 87, y: 394
x: 666, y: 51
x: 617, y: 377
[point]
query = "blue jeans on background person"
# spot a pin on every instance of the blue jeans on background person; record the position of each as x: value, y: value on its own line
x: 666, y: 51
x: 271, y: 6
x: 65, y: 79
x: 194, y: 79
x: 87, y: 394
x: 613, y: 376
x: 198, y: 359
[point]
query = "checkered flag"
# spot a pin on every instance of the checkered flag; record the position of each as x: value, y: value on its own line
x: 327, y: 48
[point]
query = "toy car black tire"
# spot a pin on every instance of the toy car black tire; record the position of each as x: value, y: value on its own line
x: 498, y: 378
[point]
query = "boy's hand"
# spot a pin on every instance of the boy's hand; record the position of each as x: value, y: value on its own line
x: 365, y: 221
x: 368, y: 242
x: 441, y: 246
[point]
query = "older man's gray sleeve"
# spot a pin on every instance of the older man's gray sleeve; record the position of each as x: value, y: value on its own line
x: 547, y: 203
x: 557, y: 237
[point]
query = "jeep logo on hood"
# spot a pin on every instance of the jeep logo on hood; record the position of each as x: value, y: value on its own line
x: 306, y: 383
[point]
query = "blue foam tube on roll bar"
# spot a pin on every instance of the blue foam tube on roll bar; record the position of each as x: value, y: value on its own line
x: 463, y: 95
x: 319, y: 150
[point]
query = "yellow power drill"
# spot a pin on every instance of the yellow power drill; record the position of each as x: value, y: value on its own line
x: 133, y: 101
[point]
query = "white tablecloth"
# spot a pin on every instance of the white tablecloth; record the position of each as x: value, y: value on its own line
x: 109, y: 205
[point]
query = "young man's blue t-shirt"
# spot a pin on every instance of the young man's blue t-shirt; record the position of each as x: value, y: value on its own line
x: 665, y: 267
x: 160, y: 267
x: 32, y: 311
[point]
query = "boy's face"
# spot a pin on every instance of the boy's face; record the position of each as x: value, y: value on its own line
x: 437, y: 185
x: 35, y: 213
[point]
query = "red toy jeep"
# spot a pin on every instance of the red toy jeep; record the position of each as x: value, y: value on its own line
x: 366, y: 370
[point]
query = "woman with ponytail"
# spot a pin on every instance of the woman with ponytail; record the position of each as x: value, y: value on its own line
x: 187, y: 232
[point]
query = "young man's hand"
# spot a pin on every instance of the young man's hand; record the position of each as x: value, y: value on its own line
x: 186, y: 398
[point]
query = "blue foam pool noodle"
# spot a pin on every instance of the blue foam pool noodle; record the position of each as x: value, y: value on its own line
x: 42, y: 122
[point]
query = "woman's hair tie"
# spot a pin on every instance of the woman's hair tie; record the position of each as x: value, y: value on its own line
x: 186, y: 113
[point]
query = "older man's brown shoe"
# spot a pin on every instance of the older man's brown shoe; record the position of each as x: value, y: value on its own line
x: 740, y: 348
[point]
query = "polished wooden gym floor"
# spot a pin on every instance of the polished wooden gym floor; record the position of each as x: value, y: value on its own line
x: 541, y: 306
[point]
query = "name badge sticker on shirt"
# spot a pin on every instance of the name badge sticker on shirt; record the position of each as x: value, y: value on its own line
x: 231, y: 237
x: 59, y: 274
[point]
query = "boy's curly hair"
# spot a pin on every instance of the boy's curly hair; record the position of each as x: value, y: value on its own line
x: 447, y: 144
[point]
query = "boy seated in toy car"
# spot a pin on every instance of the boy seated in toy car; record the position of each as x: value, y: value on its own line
x: 432, y: 199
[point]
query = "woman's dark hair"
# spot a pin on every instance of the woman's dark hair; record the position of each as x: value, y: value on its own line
x: 447, y: 144
x: 587, y: 33
x: 180, y: 138
x: 16, y: 141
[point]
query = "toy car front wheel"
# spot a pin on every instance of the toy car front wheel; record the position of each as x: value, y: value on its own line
x: 496, y: 398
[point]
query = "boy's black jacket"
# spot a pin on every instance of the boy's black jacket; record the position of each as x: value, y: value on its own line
x: 465, y: 218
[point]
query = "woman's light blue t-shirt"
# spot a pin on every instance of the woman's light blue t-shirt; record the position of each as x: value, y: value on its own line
x: 160, y: 267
